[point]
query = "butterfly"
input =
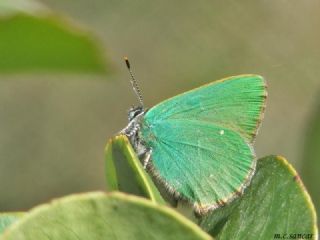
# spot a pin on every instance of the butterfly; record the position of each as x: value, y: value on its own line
x: 199, y: 145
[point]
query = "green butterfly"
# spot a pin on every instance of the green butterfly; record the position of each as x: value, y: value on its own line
x: 198, y: 145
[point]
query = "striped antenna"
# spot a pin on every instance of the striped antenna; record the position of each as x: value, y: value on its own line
x: 134, y: 83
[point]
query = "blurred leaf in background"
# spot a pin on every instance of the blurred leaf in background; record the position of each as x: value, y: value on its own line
x: 9, y: 7
x: 34, y: 39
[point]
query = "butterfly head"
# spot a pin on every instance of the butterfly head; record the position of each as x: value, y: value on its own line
x: 134, y: 112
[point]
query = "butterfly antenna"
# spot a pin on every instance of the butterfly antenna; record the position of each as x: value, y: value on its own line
x: 134, y: 83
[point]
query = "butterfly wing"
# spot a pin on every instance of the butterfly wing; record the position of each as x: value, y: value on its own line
x: 235, y: 103
x: 201, y: 139
x: 200, y: 163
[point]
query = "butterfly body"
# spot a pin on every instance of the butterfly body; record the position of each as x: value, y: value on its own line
x: 198, y: 145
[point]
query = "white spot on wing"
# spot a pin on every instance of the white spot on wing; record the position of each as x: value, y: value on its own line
x: 221, y: 132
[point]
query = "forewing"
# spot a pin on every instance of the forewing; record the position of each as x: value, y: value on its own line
x: 235, y: 103
x: 205, y: 164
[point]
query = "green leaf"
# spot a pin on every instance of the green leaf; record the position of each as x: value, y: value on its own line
x: 42, y: 41
x: 311, y: 158
x: 103, y: 216
x: 276, y: 202
x: 6, y: 219
x: 124, y: 171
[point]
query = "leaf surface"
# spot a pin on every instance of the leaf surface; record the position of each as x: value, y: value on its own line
x: 311, y: 158
x: 276, y: 202
x: 6, y: 219
x: 124, y: 171
x: 103, y: 216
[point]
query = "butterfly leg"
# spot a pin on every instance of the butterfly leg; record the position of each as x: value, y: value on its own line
x: 147, y: 158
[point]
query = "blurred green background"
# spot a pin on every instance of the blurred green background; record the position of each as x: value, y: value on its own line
x: 54, y: 124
